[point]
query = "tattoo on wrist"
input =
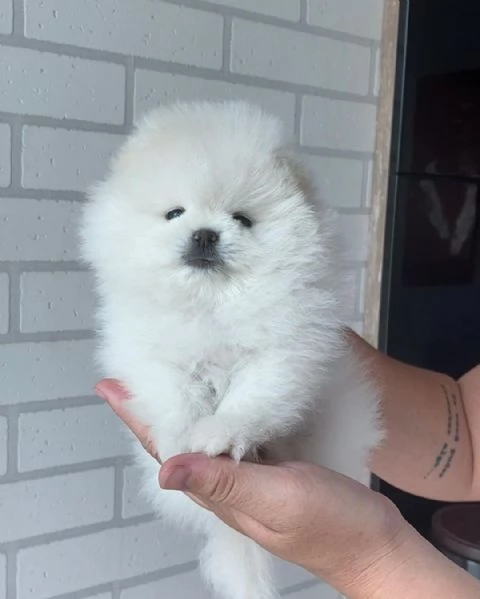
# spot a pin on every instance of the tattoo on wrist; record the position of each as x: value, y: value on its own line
x: 445, y: 456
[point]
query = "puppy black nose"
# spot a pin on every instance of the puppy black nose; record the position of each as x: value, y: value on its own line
x: 205, y: 237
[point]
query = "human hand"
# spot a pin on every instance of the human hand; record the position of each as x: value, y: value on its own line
x: 330, y: 525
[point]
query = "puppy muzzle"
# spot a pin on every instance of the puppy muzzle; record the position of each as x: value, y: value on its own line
x: 203, y: 250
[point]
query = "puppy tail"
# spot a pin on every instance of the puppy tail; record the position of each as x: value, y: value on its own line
x: 236, y: 567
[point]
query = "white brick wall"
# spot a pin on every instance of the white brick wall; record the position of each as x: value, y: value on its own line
x: 338, y: 181
x: 349, y: 16
x: 338, y: 124
x: 294, y: 57
x: 184, y: 585
x: 75, y: 76
x: 356, y: 244
x: 6, y: 16
x: 99, y: 558
x: 290, y: 575
x: 283, y: 9
x: 3, y: 445
x: 33, y: 229
x: 5, y: 154
x: 50, y: 370
x: 150, y: 29
x: 68, y: 87
x: 133, y: 504
x: 189, y: 584
x: 68, y: 436
x: 377, y: 81
x: 3, y: 576
x: 46, y: 505
x: 58, y: 301
x: 4, y: 301
x: 314, y: 592
x: 65, y: 159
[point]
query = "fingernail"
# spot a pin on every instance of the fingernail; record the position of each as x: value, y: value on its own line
x: 178, y: 479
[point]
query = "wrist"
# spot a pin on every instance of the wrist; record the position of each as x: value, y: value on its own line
x: 412, y: 569
x: 383, y: 572
x: 371, y: 554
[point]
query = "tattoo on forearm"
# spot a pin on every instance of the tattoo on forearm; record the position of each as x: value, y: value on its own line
x: 449, y: 411
x: 445, y: 456
x: 449, y: 462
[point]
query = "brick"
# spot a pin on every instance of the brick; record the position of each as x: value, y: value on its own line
x: 186, y: 586
x: 133, y: 503
x: 61, y: 86
x: 295, y: 57
x: 4, y: 302
x: 65, y: 160
x: 350, y: 299
x: 338, y: 124
x: 57, y: 301
x: 191, y: 586
x: 142, y: 28
x: 6, y: 16
x: 287, y: 574
x: 317, y: 591
x: 362, y: 290
x: 113, y: 555
x: 153, y: 89
x: 349, y: 16
x: 369, y: 185
x: 5, y: 155
x: 355, y: 230
x: 283, y: 9
x: 378, y: 73
x: 3, y: 575
x: 69, y: 436
x: 48, y: 505
x: 50, y: 371
x: 38, y: 229
x: 3, y: 445
x: 357, y: 326
x: 338, y: 181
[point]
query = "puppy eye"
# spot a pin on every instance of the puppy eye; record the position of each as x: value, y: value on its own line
x: 243, y: 220
x: 175, y: 213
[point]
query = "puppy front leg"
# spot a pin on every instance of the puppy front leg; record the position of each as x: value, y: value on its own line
x: 265, y: 400
x: 163, y: 399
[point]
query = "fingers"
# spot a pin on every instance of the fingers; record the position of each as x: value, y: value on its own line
x: 236, y: 519
x: 117, y: 398
x: 243, y: 490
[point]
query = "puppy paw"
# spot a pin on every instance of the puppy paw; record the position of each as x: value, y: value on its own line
x: 217, y: 435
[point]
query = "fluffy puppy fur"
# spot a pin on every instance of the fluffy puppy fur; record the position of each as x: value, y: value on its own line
x: 221, y: 311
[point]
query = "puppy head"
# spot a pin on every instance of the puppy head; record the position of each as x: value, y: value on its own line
x: 200, y: 195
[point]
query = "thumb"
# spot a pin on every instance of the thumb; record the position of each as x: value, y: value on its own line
x: 251, y: 489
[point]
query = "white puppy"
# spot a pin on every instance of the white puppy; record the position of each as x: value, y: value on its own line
x: 221, y: 310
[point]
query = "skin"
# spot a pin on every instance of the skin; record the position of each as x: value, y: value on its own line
x: 423, y: 411
x: 346, y: 534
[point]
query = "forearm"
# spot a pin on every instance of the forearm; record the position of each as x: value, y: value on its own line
x: 428, y: 446
x: 414, y: 570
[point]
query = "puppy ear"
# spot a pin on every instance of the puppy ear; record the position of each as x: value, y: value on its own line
x: 297, y: 178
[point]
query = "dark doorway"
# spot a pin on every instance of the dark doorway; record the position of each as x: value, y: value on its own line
x: 431, y: 283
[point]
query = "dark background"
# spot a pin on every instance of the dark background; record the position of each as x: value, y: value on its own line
x: 431, y: 281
